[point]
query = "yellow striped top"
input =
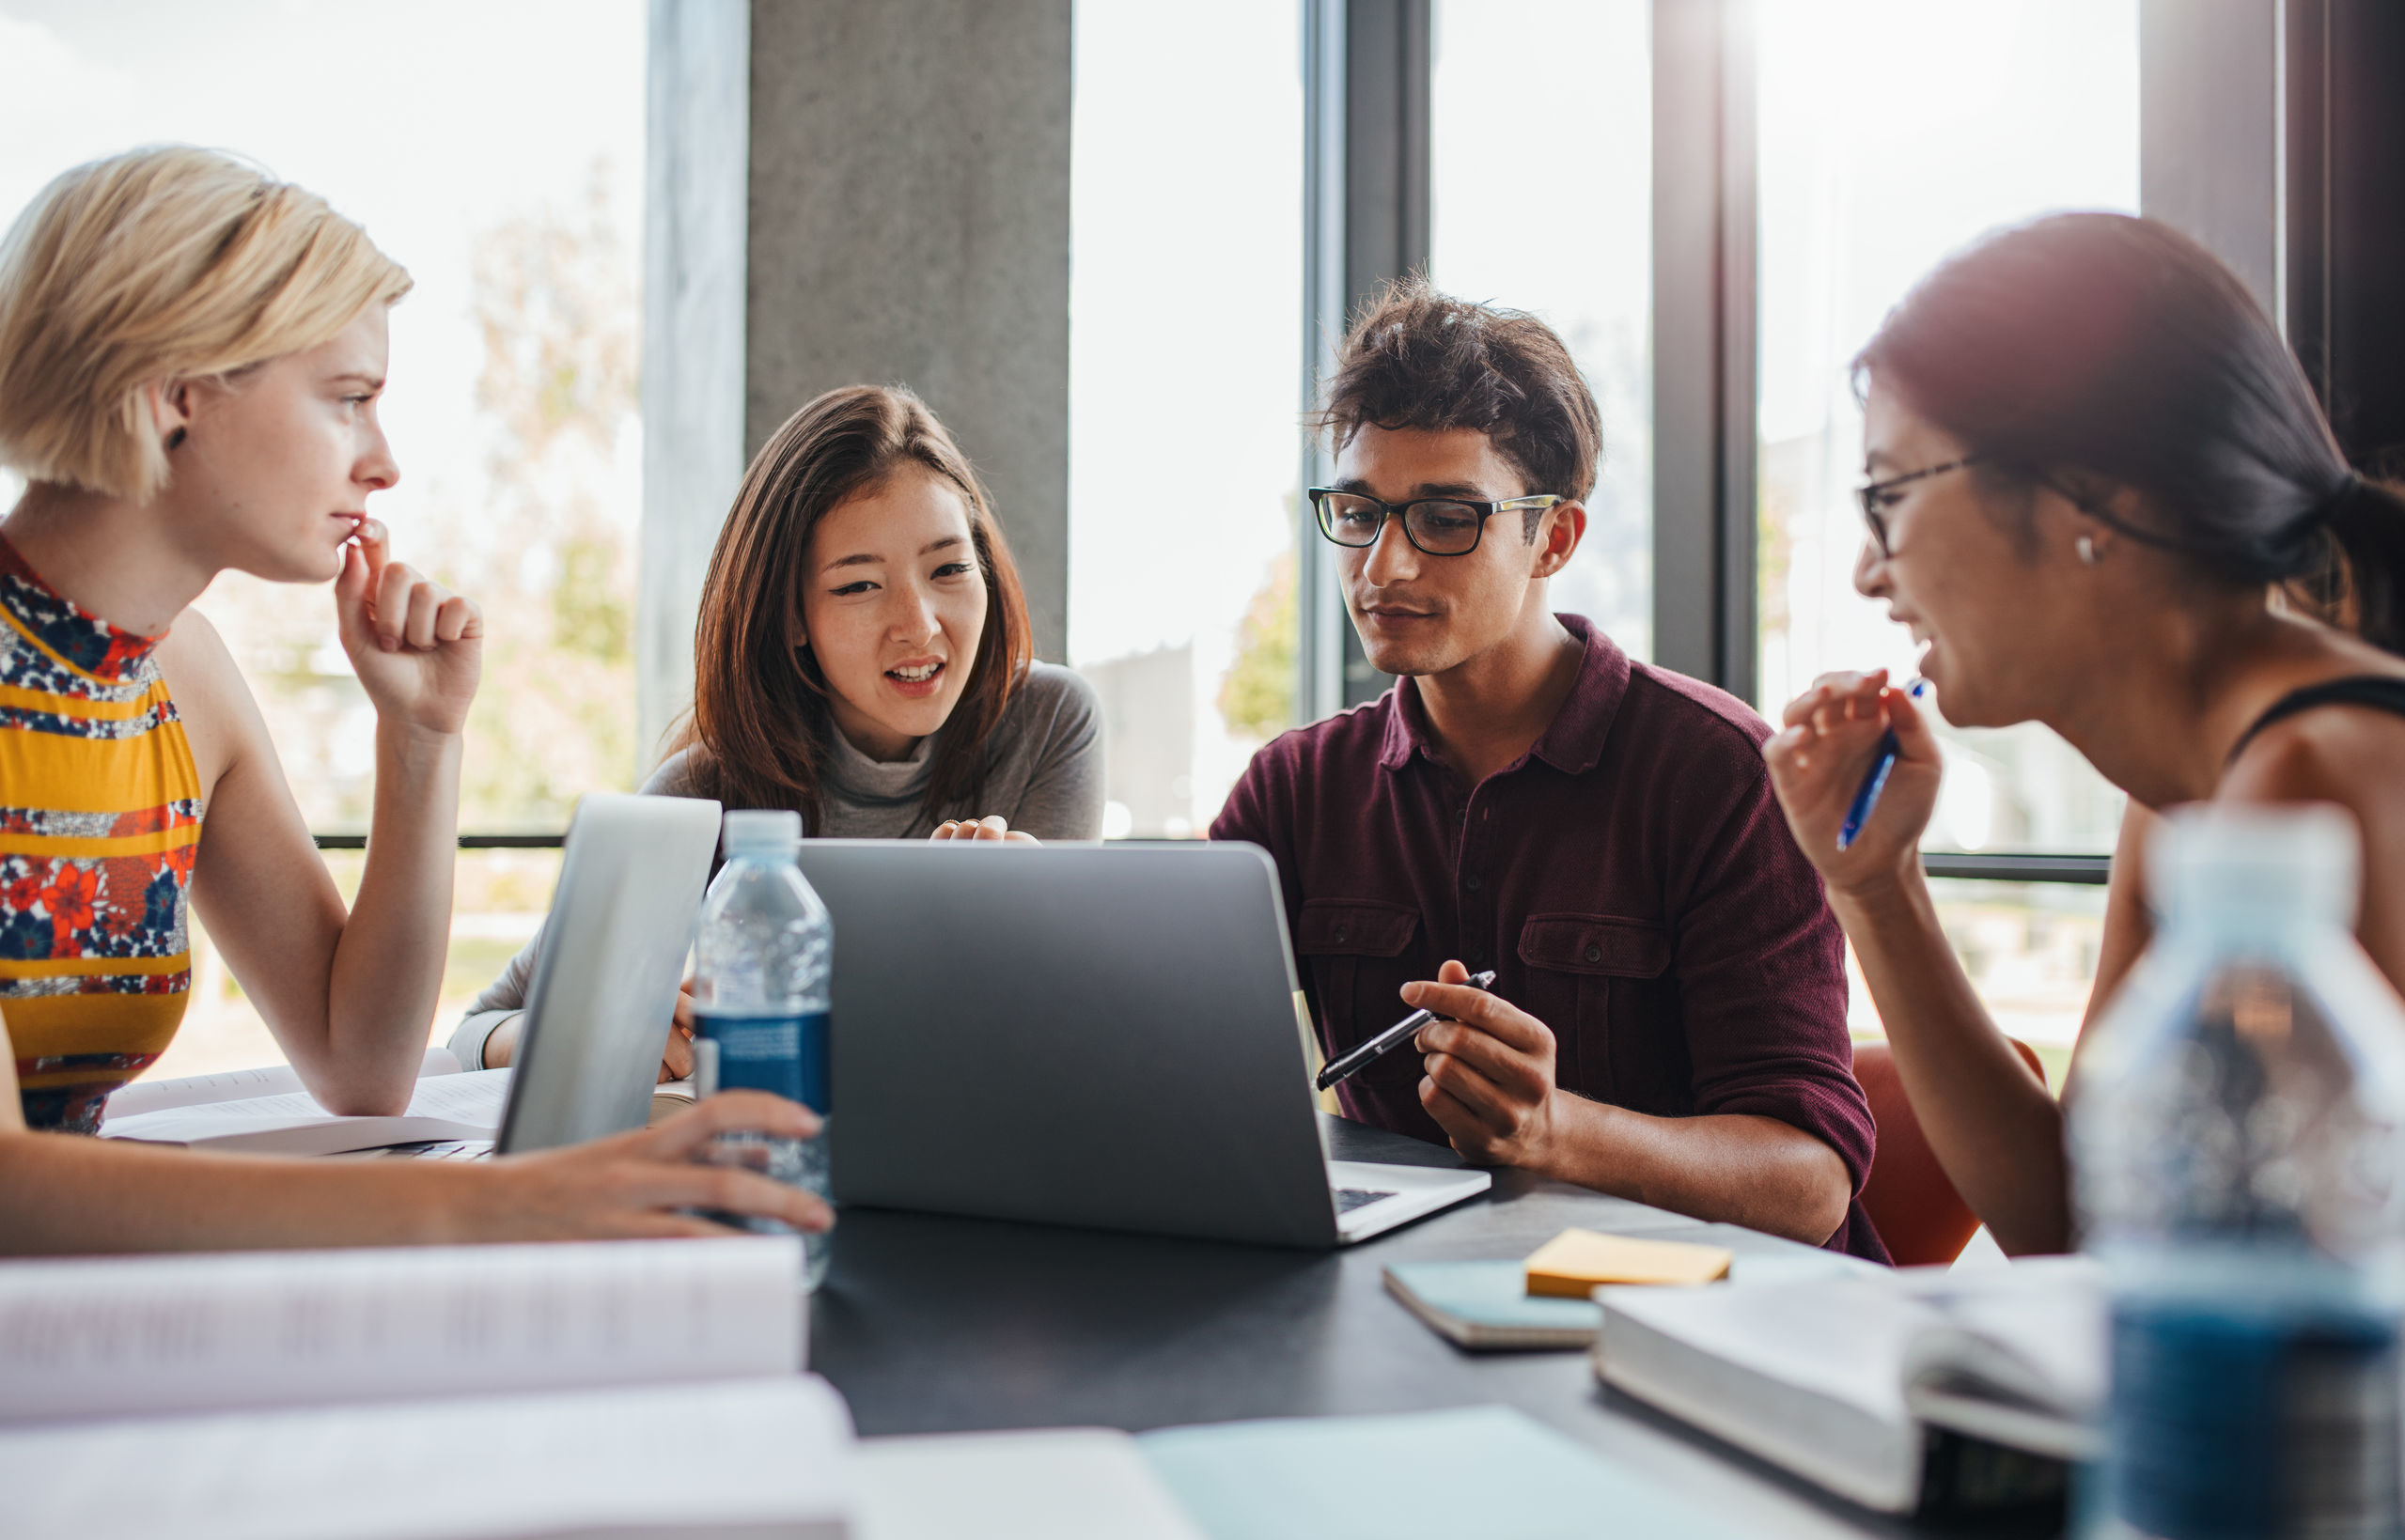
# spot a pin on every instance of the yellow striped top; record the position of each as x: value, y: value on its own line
x: 99, y: 815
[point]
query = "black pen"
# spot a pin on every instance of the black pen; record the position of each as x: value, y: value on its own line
x: 1392, y: 1038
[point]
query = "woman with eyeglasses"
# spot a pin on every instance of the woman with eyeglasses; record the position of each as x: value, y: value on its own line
x: 2103, y: 497
x: 862, y: 657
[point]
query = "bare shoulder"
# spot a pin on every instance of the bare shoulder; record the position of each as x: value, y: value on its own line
x: 220, y: 719
x: 2338, y: 753
x: 2346, y: 755
x: 194, y: 650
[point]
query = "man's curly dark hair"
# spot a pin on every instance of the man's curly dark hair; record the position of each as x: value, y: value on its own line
x: 1419, y: 359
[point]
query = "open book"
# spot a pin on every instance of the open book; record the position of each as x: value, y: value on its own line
x: 454, y: 1106
x: 465, y: 1392
x: 148, y: 1095
x: 1920, y: 1390
x: 446, y: 1106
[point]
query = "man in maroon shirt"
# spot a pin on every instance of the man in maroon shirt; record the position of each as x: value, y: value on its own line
x: 1668, y: 1018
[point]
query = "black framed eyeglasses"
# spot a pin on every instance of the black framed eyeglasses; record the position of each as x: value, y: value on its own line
x: 1437, y: 526
x: 1879, y: 496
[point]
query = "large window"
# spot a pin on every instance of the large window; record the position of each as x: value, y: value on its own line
x: 497, y: 153
x: 1883, y: 147
x: 1186, y: 333
x: 1880, y: 151
x: 1540, y: 189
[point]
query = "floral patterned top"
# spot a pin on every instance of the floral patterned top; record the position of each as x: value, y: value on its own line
x: 99, y: 816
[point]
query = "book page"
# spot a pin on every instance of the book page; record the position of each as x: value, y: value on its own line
x: 237, y: 1085
x: 472, y: 1101
x: 752, y: 1458
x: 2019, y: 1355
x: 122, y: 1336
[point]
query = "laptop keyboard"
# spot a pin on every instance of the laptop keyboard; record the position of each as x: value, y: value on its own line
x: 1350, y: 1198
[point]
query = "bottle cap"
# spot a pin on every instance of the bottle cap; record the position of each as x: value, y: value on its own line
x: 765, y: 832
x: 2265, y: 866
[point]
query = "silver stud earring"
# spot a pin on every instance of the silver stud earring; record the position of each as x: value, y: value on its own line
x: 2087, y: 548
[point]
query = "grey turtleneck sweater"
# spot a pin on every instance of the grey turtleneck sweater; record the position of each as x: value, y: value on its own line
x: 1043, y: 773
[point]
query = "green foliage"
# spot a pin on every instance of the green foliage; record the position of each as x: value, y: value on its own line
x: 555, y: 302
x: 1256, y: 698
x: 589, y: 614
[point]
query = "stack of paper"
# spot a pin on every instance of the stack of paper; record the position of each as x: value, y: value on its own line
x: 763, y: 1459
x: 121, y: 1337
x: 465, y: 1392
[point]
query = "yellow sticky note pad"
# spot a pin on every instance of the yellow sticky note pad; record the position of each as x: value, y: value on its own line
x: 1571, y: 1264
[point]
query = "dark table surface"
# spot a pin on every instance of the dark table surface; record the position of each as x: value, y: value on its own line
x: 930, y: 1324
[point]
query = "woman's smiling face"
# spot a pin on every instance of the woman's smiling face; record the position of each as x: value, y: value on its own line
x: 893, y: 609
x: 2005, y: 614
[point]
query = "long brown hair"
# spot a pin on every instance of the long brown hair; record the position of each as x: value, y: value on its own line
x: 761, y: 720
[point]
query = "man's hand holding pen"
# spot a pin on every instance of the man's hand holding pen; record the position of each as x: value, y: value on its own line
x: 1489, y: 1073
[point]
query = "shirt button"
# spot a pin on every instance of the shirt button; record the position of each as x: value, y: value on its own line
x: 1594, y: 953
x: 1470, y: 882
x: 1341, y: 937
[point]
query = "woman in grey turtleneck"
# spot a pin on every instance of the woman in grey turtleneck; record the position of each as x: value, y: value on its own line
x: 862, y: 657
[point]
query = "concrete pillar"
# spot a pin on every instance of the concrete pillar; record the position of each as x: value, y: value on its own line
x: 845, y: 192
x: 699, y: 124
x: 2208, y: 130
x: 910, y: 223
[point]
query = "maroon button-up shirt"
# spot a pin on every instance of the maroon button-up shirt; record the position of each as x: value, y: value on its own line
x: 1630, y: 879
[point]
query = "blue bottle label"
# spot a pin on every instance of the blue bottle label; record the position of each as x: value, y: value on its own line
x: 786, y: 1054
x: 2239, y: 1421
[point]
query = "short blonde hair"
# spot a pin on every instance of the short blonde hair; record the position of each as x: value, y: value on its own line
x: 167, y: 263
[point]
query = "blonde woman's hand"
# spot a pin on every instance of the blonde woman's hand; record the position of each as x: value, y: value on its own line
x: 641, y: 1184
x: 416, y: 647
x: 1829, y: 741
x: 991, y: 827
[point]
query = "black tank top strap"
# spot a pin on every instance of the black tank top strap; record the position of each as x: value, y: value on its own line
x: 2381, y: 692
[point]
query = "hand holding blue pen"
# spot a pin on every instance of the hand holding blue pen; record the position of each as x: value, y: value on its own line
x: 1866, y: 799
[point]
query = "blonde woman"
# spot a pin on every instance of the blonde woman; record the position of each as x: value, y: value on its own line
x: 191, y: 357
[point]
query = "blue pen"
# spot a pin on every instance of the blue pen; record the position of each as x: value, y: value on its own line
x: 1876, y: 782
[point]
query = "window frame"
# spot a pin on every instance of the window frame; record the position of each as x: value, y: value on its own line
x: 1367, y: 111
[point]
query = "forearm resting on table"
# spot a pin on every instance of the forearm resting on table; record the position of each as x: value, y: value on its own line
x: 70, y: 1193
x: 1736, y: 1167
x: 1990, y: 1121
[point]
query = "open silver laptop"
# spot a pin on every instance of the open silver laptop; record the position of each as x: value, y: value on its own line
x: 611, y: 954
x: 1086, y: 1035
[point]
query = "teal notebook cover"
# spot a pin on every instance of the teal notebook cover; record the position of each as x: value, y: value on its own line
x: 1491, y: 1299
x: 1432, y: 1475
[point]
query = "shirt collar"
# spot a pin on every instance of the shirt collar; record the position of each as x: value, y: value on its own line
x: 77, y: 636
x: 1572, y: 743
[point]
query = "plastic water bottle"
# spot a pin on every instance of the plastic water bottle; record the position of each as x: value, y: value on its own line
x: 2236, y: 1134
x: 761, y: 984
